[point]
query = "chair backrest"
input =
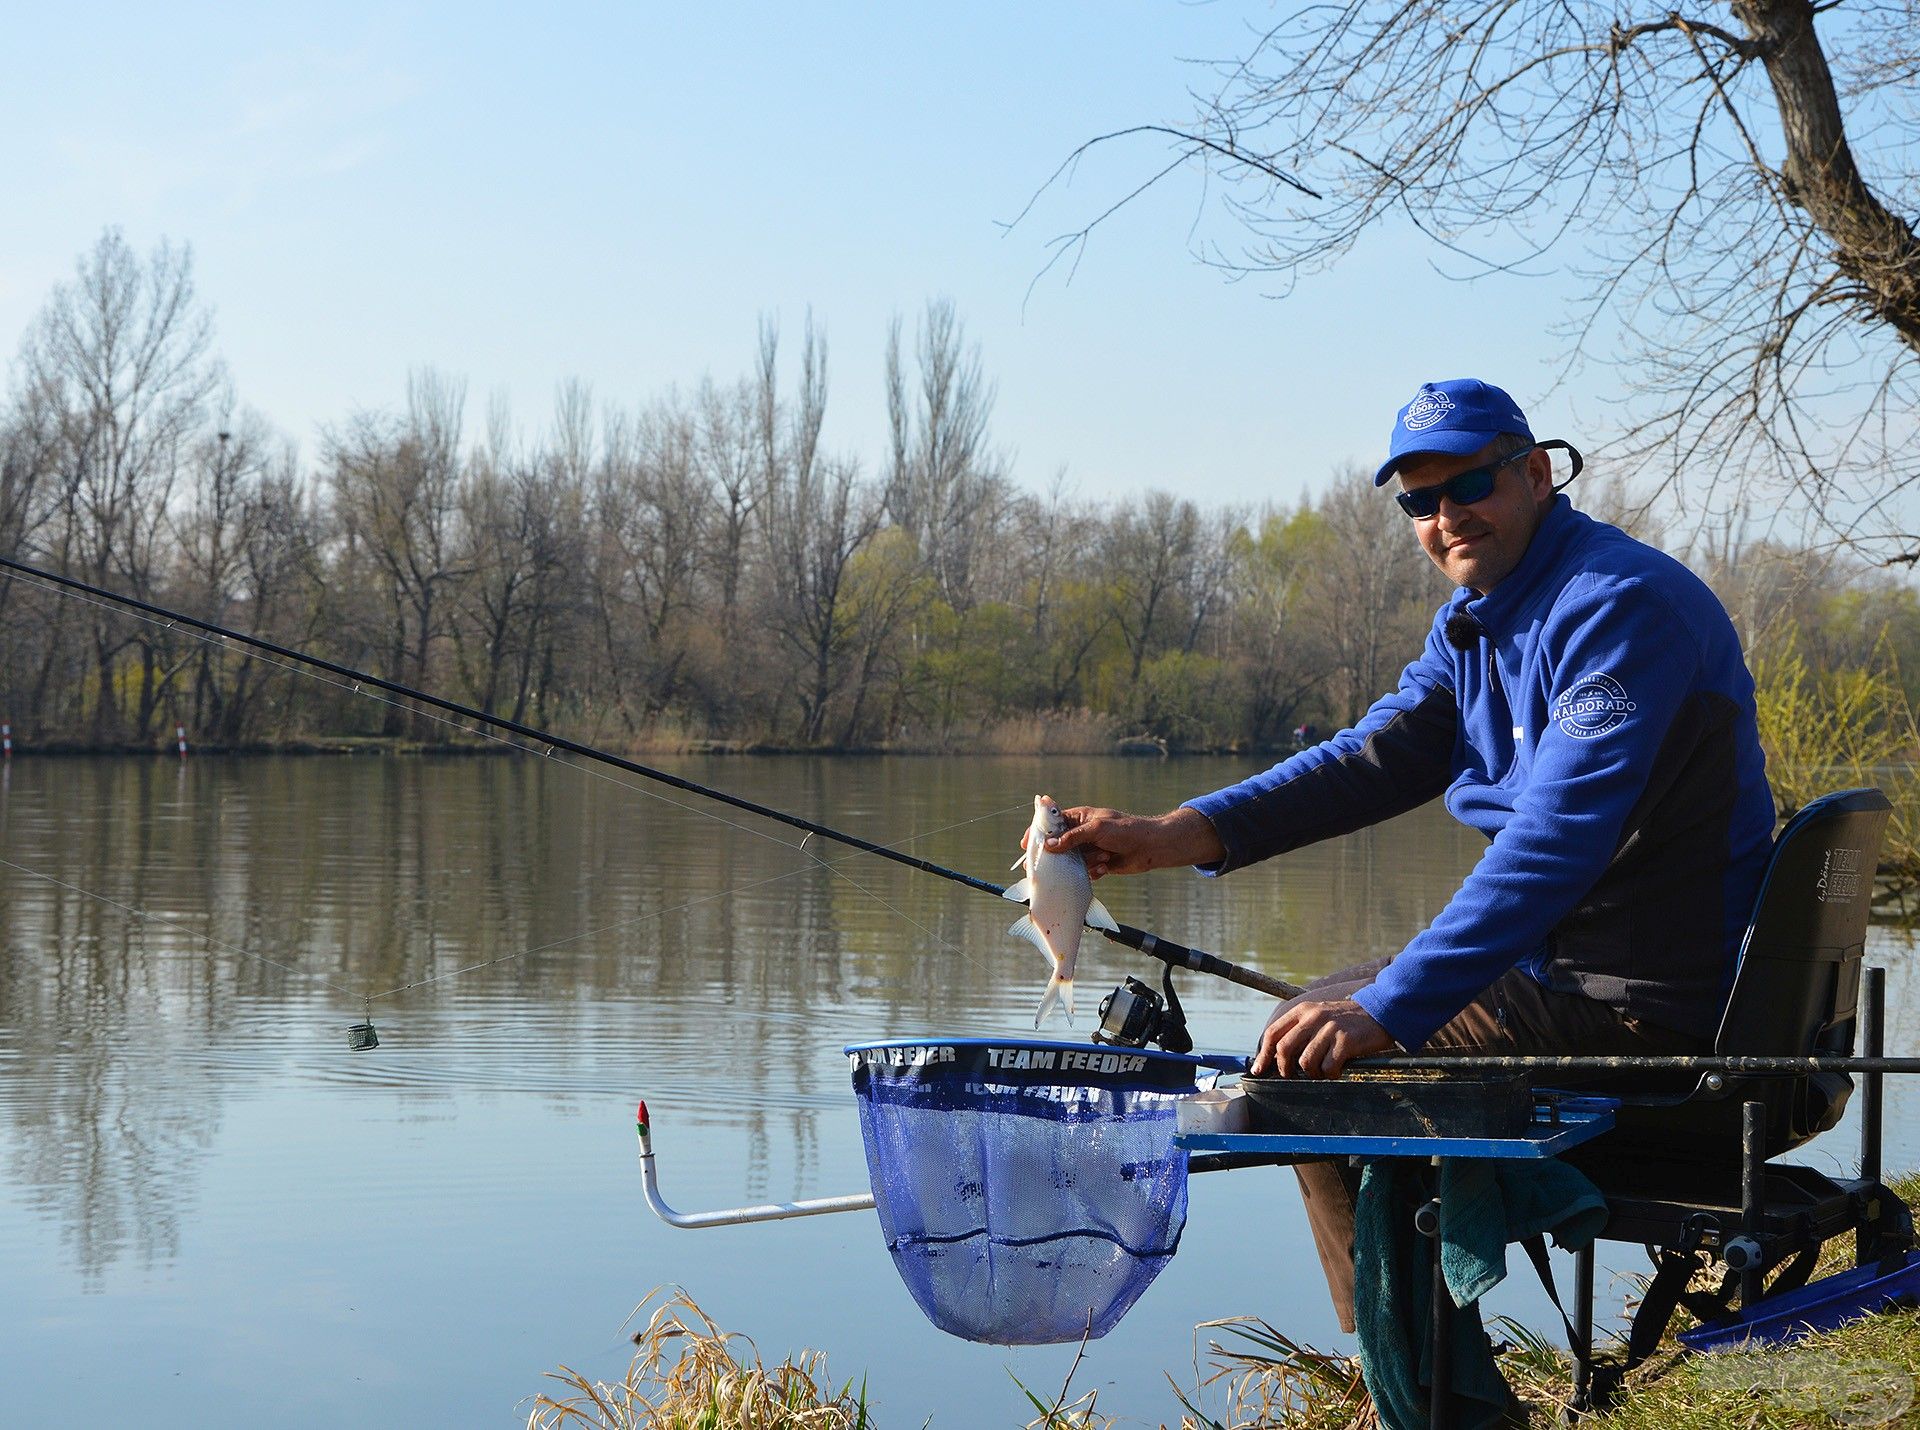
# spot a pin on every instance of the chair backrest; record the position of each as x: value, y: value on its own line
x: 1798, y: 978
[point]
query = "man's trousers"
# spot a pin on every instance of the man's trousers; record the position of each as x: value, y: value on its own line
x: 1515, y: 1015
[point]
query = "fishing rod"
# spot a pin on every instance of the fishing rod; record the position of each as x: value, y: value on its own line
x: 1752, y: 1063
x: 1174, y: 955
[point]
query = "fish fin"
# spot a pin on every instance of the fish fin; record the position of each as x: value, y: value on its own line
x: 1024, y: 927
x: 1059, y: 990
x: 1018, y: 860
x: 1099, y: 918
x: 1019, y: 892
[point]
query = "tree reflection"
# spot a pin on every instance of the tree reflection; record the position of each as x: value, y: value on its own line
x: 527, y: 928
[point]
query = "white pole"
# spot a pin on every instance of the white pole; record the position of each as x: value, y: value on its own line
x: 734, y: 1216
x: 180, y: 734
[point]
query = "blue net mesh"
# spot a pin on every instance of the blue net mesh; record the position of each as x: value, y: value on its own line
x: 1029, y: 1191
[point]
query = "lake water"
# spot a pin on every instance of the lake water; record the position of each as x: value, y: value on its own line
x: 212, y: 1212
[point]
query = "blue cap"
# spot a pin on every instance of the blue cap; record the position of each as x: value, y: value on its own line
x: 1458, y: 417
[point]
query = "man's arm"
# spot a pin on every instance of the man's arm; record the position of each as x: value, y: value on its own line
x: 1589, y: 769
x: 1114, y: 842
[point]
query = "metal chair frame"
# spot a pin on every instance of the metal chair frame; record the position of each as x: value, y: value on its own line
x: 1798, y: 989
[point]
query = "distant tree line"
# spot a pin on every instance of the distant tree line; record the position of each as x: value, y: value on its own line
x: 699, y: 567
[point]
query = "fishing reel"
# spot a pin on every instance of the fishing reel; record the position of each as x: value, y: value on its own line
x: 1133, y: 1015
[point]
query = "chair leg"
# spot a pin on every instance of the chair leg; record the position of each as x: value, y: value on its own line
x: 1873, y: 1020
x: 1873, y: 1027
x: 1583, y: 1329
x: 1426, y: 1221
x: 1753, y: 1172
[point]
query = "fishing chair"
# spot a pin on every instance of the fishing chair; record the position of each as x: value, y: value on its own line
x: 1688, y: 1172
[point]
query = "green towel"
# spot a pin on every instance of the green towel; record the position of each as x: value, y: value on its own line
x: 1484, y: 1204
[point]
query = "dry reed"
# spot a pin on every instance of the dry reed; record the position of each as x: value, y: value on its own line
x: 688, y: 1374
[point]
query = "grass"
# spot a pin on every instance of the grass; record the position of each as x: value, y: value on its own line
x: 1860, y: 1375
x: 688, y: 1374
x: 1269, y: 1379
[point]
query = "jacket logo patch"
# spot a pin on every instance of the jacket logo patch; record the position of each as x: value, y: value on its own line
x: 1592, y: 705
x: 1425, y: 410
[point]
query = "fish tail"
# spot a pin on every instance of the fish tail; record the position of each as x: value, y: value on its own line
x: 1059, y: 990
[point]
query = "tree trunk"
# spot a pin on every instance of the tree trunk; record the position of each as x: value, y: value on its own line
x: 1873, y: 246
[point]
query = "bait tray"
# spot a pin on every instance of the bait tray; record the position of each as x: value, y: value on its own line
x: 1366, y: 1103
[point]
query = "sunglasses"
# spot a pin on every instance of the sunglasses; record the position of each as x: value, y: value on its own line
x: 1462, y: 489
x: 1466, y: 488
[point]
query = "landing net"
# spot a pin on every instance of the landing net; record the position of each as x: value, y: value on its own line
x: 1028, y: 1191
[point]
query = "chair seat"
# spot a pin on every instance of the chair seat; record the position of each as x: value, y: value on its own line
x: 1704, y: 1132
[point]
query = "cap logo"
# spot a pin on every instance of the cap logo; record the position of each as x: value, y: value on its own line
x: 1425, y: 410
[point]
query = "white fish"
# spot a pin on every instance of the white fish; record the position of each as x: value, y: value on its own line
x: 1059, y: 897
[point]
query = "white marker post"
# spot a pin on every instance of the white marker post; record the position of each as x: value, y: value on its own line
x: 6, y: 741
x: 180, y: 734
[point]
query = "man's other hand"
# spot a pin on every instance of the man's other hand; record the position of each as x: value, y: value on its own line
x: 1318, y: 1040
x: 1113, y: 842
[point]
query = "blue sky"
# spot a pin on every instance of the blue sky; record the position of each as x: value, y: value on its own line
x: 618, y: 192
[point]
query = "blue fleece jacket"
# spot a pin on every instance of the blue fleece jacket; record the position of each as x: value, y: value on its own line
x: 1594, y: 719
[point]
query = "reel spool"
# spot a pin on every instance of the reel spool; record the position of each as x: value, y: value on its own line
x: 1133, y: 1015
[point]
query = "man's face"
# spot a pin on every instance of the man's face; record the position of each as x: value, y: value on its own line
x: 1479, y: 545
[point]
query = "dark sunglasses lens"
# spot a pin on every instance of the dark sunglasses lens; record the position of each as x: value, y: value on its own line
x: 1464, y: 490
x: 1470, y: 487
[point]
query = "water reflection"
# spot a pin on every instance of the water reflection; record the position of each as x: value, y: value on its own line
x: 175, y: 1113
x: 547, y: 932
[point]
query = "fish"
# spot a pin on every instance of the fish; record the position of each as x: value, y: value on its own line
x: 1060, y: 904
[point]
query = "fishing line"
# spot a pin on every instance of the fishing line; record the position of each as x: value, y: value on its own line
x: 181, y: 924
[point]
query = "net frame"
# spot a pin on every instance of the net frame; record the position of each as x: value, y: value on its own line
x: 1028, y: 1190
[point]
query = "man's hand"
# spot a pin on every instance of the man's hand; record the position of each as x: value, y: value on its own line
x: 1318, y: 1040
x: 1116, y: 843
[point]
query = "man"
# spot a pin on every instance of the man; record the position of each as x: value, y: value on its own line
x: 1582, y: 701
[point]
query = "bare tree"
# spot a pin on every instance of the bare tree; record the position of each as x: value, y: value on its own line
x: 1281, y: 650
x: 1374, y: 591
x: 1149, y: 553
x: 502, y: 512
x: 945, y: 484
x: 282, y: 575
x: 1209, y: 577
x: 121, y: 354
x: 214, y: 530
x: 652, y: 510
x: 1736, y: 184
x: 731, y: 453
x: 396, y: 490
x: 29, y: 454
x: 815, y: 515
